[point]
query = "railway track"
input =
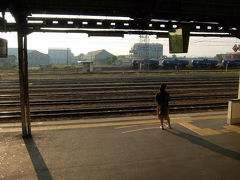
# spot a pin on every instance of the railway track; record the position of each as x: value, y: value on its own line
x: 126, y: 79
x: 93, y: 96
x: 151, y: 91
x: 80, y: 84
x: 105, y: 111
x: 104, y: 89
x: 109, y: 100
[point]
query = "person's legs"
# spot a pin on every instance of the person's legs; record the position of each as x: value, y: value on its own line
x: 168, y: 120
x: 161, y: 122
x: 158, y: 112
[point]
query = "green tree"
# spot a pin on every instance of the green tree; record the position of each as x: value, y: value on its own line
x: 110, y: 60
x: 220, y: 59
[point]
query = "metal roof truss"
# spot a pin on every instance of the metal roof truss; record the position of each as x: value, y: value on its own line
x: 115, y: 27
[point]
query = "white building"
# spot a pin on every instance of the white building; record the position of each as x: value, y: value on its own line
x: 147, y: 51
x: 36, y: 58
x: 14, y: 52
x: 60, y: 56
x: 8, y: 61
x: 98, y: 57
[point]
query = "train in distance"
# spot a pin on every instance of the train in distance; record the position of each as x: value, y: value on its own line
x: 183, y: 64
x: 151, y: 64
x: 231, y: 63
x: 173, y: 63
x: 204, y: 63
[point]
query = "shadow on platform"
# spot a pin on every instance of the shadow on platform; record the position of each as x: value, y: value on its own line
x: 40, y: 166
x: 206, y: 144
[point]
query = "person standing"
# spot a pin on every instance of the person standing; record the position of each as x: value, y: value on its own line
x: 162, y: 99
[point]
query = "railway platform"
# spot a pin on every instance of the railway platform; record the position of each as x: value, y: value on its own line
x: 200, y: 146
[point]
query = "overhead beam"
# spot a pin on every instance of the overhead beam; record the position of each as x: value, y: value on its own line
x: 137, y: 24
x: 115, y: 26
x: 185, y: 10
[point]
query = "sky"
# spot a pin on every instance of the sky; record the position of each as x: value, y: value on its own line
x: 81, y: 43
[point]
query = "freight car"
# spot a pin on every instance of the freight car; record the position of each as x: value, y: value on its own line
x: 146, y: 64
x: 231, y: 63
x: 174, y: 64
x: 204, y: 63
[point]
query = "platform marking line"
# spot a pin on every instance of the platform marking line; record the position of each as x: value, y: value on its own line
x: 76, y: 126
x: 135, y: 125
x: 177, y: 120
x: 232, y: 128
x: 200, y: 131
x: 141, y: 129
x: 185, y: 122
x: 208, y: 131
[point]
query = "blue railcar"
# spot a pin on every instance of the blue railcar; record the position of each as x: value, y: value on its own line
x: 149, y: 64
x: 204, y: 63
x: 231, y: 63
x: 176, y: 63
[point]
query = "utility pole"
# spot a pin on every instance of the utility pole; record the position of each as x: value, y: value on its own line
x: 144, y: 39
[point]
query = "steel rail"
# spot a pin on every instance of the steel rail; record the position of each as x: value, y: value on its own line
x: 128, y: 80
x: 70, y: 84
x: 103, y: 88
x: 109, y: 100
x: 83, y: 112
x: 105, y: 93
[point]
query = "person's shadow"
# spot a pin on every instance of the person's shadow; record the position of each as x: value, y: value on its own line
x: 206, y: 144
x: 40, y: 166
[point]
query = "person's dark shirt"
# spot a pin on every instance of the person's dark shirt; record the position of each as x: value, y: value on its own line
x: 162, y: 98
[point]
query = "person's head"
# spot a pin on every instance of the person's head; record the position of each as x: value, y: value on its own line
x: 163, y: 87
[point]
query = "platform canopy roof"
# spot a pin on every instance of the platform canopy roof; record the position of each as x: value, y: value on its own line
x: 224, y: 13
x: 227, y: 11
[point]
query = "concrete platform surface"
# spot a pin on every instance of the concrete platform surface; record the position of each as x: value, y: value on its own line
x: 201, y: 146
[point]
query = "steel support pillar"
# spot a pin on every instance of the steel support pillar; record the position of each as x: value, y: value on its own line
x: 23, y: 80
x: 239, y: 87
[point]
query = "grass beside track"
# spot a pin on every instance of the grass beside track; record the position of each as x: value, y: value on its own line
x: 118, y: 74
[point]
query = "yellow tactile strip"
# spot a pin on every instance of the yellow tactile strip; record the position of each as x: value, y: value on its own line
x: 184, y: 121
x: 208, y: 131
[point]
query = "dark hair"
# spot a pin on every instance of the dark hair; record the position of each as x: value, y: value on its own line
x: 163, y: 87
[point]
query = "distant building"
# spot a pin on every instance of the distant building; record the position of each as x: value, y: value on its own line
x: 147, y: 51
x: 98, y: 57
x: 124, y: 61
x: 36, y: 58
x: 14, y: 52
x: 75, y: 59
x: 60, y: 56
x: 8, y: 62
